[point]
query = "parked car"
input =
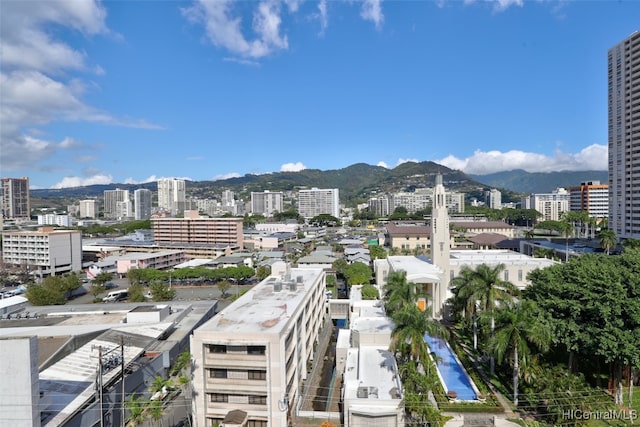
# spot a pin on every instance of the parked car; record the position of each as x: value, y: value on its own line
x: 115, y: 296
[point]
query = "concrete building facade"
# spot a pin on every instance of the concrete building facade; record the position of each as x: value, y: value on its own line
x: 88, y: 208
x: 172, y: 195
x: 113, y: 202
x: 142, y: 204
x: 46, y: 251
x: 14, y: 197
x: 591, y: 197
x: 551, y: 205
x: 318, y: 201
x: 267, y: 202
x: 624, y: 137
x: 252, y: 357
x: 193, y: 229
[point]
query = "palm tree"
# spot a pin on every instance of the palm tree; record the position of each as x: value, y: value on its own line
x: 518, y: 326
x: 486, y: 288
x: 135, y: 406
x: 398, y: 292
x: 462, y: 302
x: 608, y: 239
x: 407, y: 337
x: 156, y: 411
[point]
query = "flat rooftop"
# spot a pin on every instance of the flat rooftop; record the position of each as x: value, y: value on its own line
x: 267, y: 307
x: 496, y: 256
x: 419, y: 270
x: 374, y: 369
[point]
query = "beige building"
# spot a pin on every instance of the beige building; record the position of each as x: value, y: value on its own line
x: 194, y: 229
x: 481, y: 227
x: 45, y: 252
x: 88, y: 208
x: 408, y: 236
x: 154, y: 260
x: 250, y: 360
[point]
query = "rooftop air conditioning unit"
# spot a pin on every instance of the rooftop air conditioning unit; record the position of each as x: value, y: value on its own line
x: 277, y: 286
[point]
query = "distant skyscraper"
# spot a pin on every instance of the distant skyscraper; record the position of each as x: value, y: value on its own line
x: 266, y: 203
x: 494, y: 199
x: 15, y: 198
x: 172, y: 195
x: 88, y: 208
x: 142, y: 204
x: 113, y: 202
x: 624, y: 137
x: 550, y: 205
x: 317, y: 201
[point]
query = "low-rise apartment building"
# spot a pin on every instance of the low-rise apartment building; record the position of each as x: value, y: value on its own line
x: 250, y: 359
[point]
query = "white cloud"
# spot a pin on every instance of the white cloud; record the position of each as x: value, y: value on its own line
x: 226, y: 176
x: 593, y: 157
x: 292, y: 167
x: 76, y: 181
x: 372, y: 11
x: 224, y: 29
x: 383, y: 164
x: 322, y: 15
x: 498, y: 5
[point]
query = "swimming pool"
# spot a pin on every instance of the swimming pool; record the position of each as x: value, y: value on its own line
x: 452, y: 374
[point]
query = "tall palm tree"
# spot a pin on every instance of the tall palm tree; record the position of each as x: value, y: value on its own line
x: 467, y: 306
x: 407, y: 337
x: 608, y: 239
x: 399, y: 292
x: 486, y: 287
x: 518, y: 325
x: 156, y: 411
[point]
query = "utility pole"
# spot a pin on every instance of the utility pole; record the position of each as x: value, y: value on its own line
x: 122, y: 375
x: 100, y: 386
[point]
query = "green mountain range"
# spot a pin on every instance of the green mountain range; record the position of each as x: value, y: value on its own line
x: 356, y: 183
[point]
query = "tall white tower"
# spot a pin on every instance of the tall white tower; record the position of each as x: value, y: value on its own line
x: 624, y: 138
x: 172, y: 195
x: 440, y: 244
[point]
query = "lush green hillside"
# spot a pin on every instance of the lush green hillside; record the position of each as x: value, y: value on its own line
x: 539, y: 182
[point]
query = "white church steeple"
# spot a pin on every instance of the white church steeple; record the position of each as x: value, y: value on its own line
x: 440, y: 244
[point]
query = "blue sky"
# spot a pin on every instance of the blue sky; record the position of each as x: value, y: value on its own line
x: 131, y: 91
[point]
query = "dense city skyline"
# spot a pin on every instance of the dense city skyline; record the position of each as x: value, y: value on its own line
x: 130, y: 92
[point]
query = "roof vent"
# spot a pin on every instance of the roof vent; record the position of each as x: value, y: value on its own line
x: 277, y: 286
x: 292, y: 286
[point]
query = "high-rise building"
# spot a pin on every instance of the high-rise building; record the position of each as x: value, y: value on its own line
x: 494, y: 199
x: 142, y: 204
x: 15, y: 198
x: 172, y: 195
x: 266, y: 203
x: 88, y: 208
x: 379, y: 206
x: 318, y: 201
x: 551, y: 205
x: 113, y: 202
x: 624, y: 137
x: 591, y: 197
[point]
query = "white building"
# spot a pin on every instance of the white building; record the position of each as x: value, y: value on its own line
x: 19, y: 388
x: 316, y: 201
x: 252, y: 357
x: 266, y: 203
x: 54, y: 219
x: 88, y: 208
x: 551, y: 205
x: 142, y: 204
x: 46, y: 251
x: 371, y: 388
x: 172, y: 195
x: 379, y: 206
x: 624, y: 137
x: 418, y: 200
x: 113, y: 202
x: 494, y: 199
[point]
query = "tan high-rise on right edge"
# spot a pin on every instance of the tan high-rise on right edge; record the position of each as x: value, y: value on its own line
x: 624, y: 137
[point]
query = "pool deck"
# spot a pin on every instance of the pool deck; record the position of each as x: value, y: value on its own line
x: 458, y: 420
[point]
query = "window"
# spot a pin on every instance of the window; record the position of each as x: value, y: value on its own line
x: 218, y: 373
x: 257, y: 375
x: 520, y: 275
x: 218, y: 397
x: 257, y: 423
x: 256, y: 349
x: 215, y: 348
x: 258, y: 400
